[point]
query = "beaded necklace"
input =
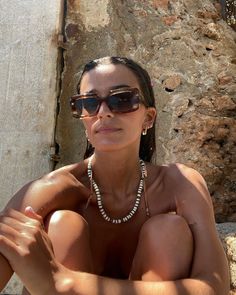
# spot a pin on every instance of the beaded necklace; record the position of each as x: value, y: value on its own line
x: 141, y: 188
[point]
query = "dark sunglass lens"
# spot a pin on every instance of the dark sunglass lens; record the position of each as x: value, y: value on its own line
x: 124, y: 102
x: 84, y: 107
x: 77, y: 105
x: 89, y: 106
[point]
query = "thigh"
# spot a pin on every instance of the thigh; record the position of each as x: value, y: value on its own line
x: 164, y: 251
x: 69, y: 234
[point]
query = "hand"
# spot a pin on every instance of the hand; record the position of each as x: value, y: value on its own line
x: 27, y: 247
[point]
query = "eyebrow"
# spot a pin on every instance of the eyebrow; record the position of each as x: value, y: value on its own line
x: 112, y: 88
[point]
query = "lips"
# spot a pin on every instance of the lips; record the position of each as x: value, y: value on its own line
x: 107, y: 129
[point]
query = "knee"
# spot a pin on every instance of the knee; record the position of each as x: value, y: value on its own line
x: 166, y: 225
x: 165, y: 249
x: 62, y: 220
x: 69, y: 234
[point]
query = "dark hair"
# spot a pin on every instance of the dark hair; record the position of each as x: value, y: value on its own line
x: 147, y: 143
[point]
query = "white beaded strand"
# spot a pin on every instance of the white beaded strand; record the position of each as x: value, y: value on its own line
x: 99, y: 197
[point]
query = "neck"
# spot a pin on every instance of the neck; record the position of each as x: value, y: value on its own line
x: 116, y: 174
x: 100, y: 199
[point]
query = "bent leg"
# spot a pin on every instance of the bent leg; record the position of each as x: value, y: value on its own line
x: 164, y: 251
x: 69, y: 234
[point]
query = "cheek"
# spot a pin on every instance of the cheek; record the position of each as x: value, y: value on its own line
x: 134, y: 121
x: 87, y: 125
x: 134, y: 126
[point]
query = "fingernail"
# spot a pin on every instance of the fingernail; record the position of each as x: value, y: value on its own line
x: 29, y: 208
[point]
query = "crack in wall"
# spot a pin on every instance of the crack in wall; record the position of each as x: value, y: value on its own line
x: 55, y: 148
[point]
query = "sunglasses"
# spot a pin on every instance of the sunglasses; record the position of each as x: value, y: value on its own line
x: 123, y: 100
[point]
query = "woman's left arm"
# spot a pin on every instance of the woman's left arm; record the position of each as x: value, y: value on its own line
x: 194, y: 204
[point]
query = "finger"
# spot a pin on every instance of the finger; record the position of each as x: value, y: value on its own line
x: 12, y: 222
x: 20, y: 226
x: 19, y: 234
x: 17, y: 215
x: 21, y: 217
x: 15, y: 230
x: 9, y: 233
x: 29, y: 212
x: 8, y: 249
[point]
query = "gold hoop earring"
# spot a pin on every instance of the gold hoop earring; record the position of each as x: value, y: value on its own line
x: 144, y: 132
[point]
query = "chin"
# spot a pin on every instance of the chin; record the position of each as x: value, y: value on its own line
x: 109, y: 146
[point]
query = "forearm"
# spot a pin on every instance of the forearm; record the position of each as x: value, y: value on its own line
x: 5, y: 272
x: 73, y: 283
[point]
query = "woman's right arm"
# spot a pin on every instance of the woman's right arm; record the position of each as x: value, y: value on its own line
x: 5, y: 268
x: 17, y: 202
x: 44, y: 196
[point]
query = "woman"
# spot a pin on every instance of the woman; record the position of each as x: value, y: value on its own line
x: 117, y: 224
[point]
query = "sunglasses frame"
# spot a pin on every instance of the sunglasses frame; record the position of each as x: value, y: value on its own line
x: 86, y: 95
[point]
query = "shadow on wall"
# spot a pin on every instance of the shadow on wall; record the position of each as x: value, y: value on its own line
x: 229, y: 12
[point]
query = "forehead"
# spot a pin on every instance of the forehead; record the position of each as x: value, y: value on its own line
x: 105, y: 77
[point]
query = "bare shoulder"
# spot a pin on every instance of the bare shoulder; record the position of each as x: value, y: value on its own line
x: 177, y: 173
x: 184, y: 176
x: 190, y: 193
x: 52, y: 191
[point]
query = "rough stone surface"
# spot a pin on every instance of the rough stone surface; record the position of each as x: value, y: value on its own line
x: 28, y: 83
x: 190, y: 53
x: 227, y: 233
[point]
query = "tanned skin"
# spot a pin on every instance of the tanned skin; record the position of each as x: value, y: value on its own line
x: 174, y: 251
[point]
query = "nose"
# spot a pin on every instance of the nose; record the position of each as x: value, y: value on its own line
x: 104, y: 111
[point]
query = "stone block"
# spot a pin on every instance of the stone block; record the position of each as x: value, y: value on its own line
x: 227, y: 233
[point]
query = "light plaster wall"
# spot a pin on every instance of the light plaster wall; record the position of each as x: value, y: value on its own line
x: 28, y: 63
x: 28, y: 92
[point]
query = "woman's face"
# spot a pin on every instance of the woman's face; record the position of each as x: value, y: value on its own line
x: 109, y: 131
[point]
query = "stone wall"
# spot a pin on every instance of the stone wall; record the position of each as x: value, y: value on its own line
x: 190, y: 53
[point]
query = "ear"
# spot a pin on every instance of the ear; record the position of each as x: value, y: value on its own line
x: 149, y: 117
